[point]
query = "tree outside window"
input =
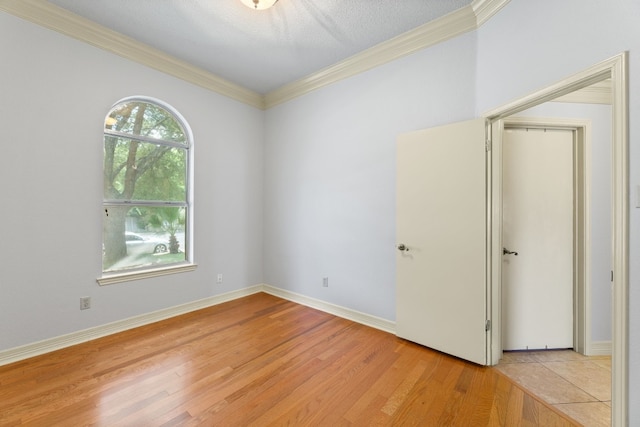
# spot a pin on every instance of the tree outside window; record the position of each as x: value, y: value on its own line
x: 146, y: 187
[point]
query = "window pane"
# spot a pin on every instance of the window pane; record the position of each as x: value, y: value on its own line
x: 145, y: 119
x: 136, y: 170
x: 142, y: 236
x: 146, y: 187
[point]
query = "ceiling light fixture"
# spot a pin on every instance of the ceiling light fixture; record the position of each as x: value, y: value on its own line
x: 259, y: 4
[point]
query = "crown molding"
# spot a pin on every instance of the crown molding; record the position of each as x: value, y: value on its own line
x: 47, y: 15
x: 486, y: 9
x: 55, y: 18
x: 463, y: 20
x: 429, y: 34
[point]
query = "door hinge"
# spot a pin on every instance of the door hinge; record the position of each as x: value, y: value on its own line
x: 612, y: 275
x: 487, y: 145
x: 487, y: 325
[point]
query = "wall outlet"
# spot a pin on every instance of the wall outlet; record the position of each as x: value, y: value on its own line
x: 219, y: 278
x: 325, y: 282
x: 85, y: 303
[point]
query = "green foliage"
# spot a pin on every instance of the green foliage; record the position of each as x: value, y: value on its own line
x: 153, y: 121
x: 137, y: 168
x: 160, y: 171
x: 170, y: 220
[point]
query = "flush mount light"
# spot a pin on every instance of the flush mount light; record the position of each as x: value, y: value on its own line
x: 259, y: 4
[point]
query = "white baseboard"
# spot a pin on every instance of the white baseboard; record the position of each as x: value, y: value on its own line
x: 336, y: 310
x: 600, y: 348
x: 41, y: 347
x: 56, y: 343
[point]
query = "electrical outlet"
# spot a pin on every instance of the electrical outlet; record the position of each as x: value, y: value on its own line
x: 85, y: 303
x: 219, y: 278
x: 325, y: 282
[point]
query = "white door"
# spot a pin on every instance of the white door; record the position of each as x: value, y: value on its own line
x: 537, y: 225
x: 441, y: 235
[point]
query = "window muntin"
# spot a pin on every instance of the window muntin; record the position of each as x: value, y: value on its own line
x: 146, y: 187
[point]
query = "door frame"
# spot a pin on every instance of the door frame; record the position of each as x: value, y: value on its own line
x: 615, y: 69
x: 581, y: 254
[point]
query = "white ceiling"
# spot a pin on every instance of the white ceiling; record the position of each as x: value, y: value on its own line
x: 262, y: 50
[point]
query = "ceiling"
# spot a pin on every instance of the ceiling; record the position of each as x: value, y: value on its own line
x: 262, y: 50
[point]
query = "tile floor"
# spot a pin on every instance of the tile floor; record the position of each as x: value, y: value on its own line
x: 577, y: 385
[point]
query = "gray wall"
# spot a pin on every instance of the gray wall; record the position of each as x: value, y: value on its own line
x: 328, y: 159
x: 330, y: 173
x: 55, y: 94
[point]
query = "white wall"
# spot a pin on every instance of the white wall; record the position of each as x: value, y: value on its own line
x: 330, y: 173
x: 530, y: 45
x: 54, y: 95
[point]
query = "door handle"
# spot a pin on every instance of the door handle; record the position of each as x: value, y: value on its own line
x: 402, y: 247
x: 506, y: 251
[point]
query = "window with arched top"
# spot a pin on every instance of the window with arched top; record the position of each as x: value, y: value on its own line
x: 147, y: 170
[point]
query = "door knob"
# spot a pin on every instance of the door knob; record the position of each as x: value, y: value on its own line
x: 506, y: 251
x: 402, y: 247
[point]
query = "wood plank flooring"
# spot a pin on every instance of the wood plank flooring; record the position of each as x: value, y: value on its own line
x: 261, y: 361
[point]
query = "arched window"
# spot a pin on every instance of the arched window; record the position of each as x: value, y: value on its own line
x: 146, y: 187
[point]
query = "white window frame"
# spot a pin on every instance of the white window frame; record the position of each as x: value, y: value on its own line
x: 112, y: 277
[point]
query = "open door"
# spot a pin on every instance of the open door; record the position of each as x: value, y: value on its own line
x: 441, y: 289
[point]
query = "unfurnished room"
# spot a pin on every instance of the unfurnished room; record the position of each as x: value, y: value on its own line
x: 320, y: 213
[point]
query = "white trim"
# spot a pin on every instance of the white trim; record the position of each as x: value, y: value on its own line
x: 63, y: 341
x: 463, y: 20
x: 494, y: 231
x: 486, y: 9
x: 595, y: 74
x: 52, y: 344
x: 58, y: 19
x: 110, y: 279
x: 336, y: 310
x: 620, y: 353
x: 616, y: 69
x: 599, y: 93
x: 600, y: 348
x: 50, y: 16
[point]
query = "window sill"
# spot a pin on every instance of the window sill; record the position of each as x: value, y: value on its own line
x: 110, y: 279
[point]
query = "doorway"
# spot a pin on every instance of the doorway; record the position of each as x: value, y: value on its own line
x: 488, y: 330
x: 581, y: 166
x: 616, y: 70
x: 538, y: 237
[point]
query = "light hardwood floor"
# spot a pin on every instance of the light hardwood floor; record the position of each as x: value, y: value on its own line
x: 261, y: 361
